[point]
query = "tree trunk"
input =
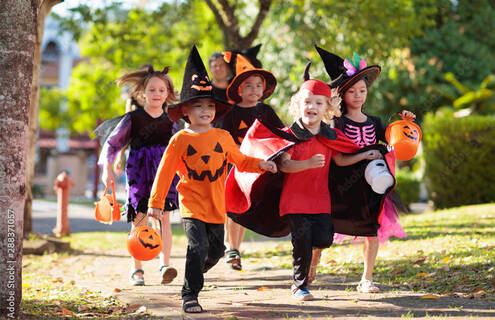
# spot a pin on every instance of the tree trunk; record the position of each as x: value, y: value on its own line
x: 33, y: 114
x: 224, y: 13
x: 18, y: 21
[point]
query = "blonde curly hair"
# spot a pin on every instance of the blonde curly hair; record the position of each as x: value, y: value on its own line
x: 333, y: 103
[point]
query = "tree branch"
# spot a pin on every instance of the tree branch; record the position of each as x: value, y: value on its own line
x: 263, y: 11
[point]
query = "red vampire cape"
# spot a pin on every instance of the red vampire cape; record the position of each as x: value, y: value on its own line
x: 252, y: 199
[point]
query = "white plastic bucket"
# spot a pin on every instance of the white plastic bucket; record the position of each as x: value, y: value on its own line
x: 378, y: 176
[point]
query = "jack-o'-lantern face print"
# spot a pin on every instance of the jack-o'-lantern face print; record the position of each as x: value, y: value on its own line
x: 201, y: 84
x: 208, y: 161
x: 411, y: 133
x: 144, y: 243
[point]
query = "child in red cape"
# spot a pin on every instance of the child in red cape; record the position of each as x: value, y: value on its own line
x: 304, y: 152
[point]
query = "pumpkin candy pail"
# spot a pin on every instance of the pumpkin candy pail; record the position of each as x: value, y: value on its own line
x: 144, y: 243
x: 404, y: 136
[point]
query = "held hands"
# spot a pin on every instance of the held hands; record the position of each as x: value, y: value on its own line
x: 372, y: 155
x: 316, y: 161
x: 407, y: 115
x: 154, y: 212
x: 268, y: 166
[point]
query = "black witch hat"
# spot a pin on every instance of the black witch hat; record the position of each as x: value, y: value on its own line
x: 196, y: 85
x: 344, y: 72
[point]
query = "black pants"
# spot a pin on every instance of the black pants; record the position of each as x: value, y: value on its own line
x: 205, y: 247
x: 308, y: 231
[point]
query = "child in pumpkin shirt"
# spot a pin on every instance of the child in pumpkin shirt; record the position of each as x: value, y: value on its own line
x: 200, y: 154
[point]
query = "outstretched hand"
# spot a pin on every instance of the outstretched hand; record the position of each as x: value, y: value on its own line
x: 268, y: 166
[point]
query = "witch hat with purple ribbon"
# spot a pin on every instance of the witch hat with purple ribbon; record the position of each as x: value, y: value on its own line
x: 344, y: 72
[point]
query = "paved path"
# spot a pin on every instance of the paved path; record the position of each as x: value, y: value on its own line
x: 258, y: 292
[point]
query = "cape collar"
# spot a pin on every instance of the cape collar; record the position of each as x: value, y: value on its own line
x: 302, y: 133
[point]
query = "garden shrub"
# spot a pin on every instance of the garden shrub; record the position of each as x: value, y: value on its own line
x: 459, y: 158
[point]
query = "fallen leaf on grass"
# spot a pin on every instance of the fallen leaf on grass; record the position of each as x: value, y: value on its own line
x: 478, y: 290
x: 430, y: 296
x: 133, y: 307
x: 354, y: 300
x: 116, y: 290
x: 397, y: 271
x: 420, y: 261
x: 421, y: 274
x: 67, y: 312
x: 262, y: 288
x: 331, y: 261
x: 82, y: 308
x: 446, y: 259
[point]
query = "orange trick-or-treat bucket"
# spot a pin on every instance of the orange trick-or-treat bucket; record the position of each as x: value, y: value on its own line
x: 107, y: 209
x: 404, y: 136
x: 144, y: 243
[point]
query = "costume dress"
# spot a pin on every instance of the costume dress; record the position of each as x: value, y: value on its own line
x: 254, y: 200
x: 364, y: 134
x: 147, y: 138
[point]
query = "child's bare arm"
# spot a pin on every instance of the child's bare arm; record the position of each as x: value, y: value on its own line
x: 348, y: 159
x: 290, y: 166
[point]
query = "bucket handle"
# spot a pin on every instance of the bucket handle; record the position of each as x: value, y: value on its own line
x: 400, y: 115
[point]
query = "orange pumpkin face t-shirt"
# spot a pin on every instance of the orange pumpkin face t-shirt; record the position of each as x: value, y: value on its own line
x: 201, y: 162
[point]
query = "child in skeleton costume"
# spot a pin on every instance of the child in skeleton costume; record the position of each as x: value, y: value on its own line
x: 200, y: 154
x: 353, y: 78
x: 147, y: 131
x: 250, y: 86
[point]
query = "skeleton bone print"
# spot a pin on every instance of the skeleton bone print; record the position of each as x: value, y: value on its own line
x: 362, y: 136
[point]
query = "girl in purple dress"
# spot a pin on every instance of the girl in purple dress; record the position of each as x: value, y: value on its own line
x: 147, y: 132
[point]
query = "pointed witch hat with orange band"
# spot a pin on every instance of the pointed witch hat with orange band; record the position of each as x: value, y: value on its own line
x: 244, y: 70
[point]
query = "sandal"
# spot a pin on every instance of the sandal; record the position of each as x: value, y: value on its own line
x: 136, y: 281
x: 188, y: 305
x: 234, y: 258
x: 167, y: 274
x: 367, y: 286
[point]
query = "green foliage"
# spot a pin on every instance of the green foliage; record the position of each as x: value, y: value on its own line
x: 116, y: 41
x: 462, y: 42
x: 458, y: 155
x: 407, y: 187
x: 373, y: 29
x: 480, y: 100
x: 93, y: 95
x: 123, y: 40
x: 52, y: 110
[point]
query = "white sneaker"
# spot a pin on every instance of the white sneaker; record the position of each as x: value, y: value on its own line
x: 367, y: 286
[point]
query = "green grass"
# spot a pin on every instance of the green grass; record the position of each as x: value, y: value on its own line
x: 447, y: 252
